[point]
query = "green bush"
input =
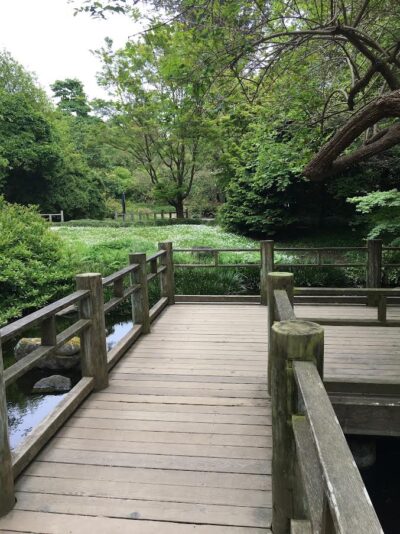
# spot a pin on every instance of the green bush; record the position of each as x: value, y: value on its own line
x: 33, y: 269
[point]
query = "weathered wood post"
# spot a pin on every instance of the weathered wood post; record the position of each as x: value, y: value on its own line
x: 170, y: 214
x: 116, y: 215
x: 291, y: 340
x: 140, y: 299
x: 267, y: 266
x: 62, y: 216
x: 276, y: 280
x: 374, y: 267
x: 7, y: 498
x: 167, y: 277
x: 93, y: 339
x: 162, y: 214
x: 382, y: 308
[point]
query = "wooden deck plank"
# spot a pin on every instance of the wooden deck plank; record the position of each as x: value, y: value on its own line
x: 180, y: 441
x: 49, y: 523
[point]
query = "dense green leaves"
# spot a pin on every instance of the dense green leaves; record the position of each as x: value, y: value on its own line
x: 32, y: 265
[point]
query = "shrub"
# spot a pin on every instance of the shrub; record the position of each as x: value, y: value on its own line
x: 32, y: 266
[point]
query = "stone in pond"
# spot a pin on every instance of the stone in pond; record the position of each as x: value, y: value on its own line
x: 65, y: 357
x: 52, y: 384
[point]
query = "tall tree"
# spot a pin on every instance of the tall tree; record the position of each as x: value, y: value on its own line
x: 160, y: 119
x: 71, y: 96
x: 252, y: 41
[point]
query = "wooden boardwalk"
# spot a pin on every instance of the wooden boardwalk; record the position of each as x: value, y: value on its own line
x: 180, y: 441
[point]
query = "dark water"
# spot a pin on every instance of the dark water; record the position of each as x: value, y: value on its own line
x: 383, y: 483
x: 26, y: 409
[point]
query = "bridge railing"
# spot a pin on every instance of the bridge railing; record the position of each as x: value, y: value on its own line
x: 316, y: 486
x: 88, y: 301
x: 371, y: 257
x: 146, y: 216
x: 53, y: 216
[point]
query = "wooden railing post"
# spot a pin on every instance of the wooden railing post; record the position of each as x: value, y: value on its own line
x: 7, y: 498
x: 93, y: 339
x: 140, y: 299
x: 167, y: 277
x: 374, y: 267
x: 276, y: 280
x: 382, y: 308
x: 62, y: 216
x: 267, y: 266
x: 291, y: 340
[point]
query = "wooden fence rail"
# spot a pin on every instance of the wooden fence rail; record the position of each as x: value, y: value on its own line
x: 54, y: 216
x: 316, y: 486
x: 373, y: 261
x: 146, y: 216
x: 131, y: 282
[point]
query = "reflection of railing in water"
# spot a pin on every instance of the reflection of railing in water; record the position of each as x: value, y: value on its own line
x: 131, y: 282
x: 316, y: 486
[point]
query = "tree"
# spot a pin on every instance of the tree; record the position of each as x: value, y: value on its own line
x: 252, y: 41
x: 159, y: 115
x: 71, y: 97
x: 40, y: 162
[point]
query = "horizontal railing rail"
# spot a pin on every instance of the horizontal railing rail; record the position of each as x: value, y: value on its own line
x: 51, y: 216
x: 88, y: 301
x: 316, y: 486
x: 264, y: 258
x: 143, y: 216
x: 373, y: 258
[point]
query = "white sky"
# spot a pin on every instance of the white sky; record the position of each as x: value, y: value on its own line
x: 47, y: 39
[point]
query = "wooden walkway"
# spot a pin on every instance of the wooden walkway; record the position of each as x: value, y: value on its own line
x: 180, y: 441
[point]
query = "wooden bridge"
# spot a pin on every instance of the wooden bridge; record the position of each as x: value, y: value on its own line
x: 172, y: 431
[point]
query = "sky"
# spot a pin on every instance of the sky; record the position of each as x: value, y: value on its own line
x: 46, y: 37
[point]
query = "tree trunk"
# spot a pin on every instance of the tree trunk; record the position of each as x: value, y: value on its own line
x: 179, y: 208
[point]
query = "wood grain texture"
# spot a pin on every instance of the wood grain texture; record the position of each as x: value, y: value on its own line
x: 181, y: 439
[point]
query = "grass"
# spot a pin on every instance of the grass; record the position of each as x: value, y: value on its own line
x: 105, y: 249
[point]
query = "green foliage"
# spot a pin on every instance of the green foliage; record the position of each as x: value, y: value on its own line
x: 382, y: 210
x: 71, y: 96
x: 159, y: 117
x: 41, y: 161
x: 33, y: 269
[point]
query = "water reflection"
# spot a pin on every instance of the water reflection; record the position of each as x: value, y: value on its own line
x: 23, y: 418
x: 25, y: 409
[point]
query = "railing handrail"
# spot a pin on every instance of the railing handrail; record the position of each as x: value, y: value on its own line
x: 51, y: 215
x: 12, y: 329
x: 373, y: 261
x: 108, y: 280
x: 343, y: 487
x: 303, y: 418
x: 96, y: 361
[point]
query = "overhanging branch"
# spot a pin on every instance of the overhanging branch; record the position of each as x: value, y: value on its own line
x: 328, y: 160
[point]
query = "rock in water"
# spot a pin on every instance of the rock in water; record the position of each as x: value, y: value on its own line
x: 52, y: 384
x: 65, y: 357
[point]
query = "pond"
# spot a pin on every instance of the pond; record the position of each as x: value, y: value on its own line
x: 382, y: 482
x: 26, y: 409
